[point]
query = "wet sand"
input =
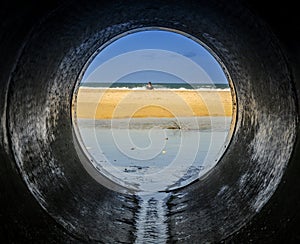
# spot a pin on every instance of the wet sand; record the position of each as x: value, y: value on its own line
x: 122, y: 103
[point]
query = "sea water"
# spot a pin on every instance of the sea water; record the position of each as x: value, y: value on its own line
x: 157, y: 85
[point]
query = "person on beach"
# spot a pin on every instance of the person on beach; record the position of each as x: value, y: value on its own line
x: 149, y: 86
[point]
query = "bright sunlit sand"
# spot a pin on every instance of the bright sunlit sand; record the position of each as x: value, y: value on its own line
x: 123, y: 103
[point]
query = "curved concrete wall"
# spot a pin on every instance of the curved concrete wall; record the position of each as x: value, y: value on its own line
x: 47, y: 195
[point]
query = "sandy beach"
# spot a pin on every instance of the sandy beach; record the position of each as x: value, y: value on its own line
x: 123, y: 103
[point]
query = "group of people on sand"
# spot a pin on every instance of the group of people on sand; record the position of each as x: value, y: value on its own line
x: 149, y: 86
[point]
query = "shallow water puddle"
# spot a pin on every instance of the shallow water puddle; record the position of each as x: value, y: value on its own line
x: 151, y: 158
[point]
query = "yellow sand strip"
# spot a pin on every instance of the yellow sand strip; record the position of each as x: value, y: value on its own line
x: 121, y: 103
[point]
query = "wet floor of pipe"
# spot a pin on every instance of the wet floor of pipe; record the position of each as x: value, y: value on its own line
x: 151, y: 225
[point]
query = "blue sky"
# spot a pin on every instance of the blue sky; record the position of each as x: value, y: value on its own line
x: 155, y: 52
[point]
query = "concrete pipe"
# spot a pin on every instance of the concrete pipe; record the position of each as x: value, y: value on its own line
x: 46, y: 194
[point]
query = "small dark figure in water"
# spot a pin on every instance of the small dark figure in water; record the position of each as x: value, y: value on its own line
x: 149, y: 86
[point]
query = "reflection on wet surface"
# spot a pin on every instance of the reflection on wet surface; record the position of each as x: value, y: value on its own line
x: 151, y: 222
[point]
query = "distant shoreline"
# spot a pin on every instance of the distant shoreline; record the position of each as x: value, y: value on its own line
x: 157, y: 89
x: 156, y: 85
x: 103, y: 103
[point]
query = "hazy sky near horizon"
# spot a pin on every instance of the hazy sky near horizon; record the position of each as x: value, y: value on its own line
x: 157, y: 56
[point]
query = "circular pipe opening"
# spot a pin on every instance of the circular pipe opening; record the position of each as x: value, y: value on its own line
x: 158, y: 140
